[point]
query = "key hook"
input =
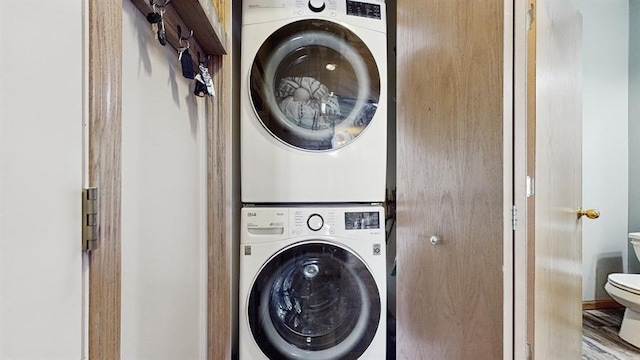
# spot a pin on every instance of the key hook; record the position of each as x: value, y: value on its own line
x: 206, y: 59
x: 183, y: 38
x: 153, y: 3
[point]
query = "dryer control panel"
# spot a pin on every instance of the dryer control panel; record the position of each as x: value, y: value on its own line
x: 355, y: 12
x: 317, y: 6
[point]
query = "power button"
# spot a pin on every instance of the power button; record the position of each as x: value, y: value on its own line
x: 317, y: 5
x: 315, y: 222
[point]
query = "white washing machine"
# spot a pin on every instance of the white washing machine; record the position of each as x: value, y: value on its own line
x: 313, y: 101
x: 312, y: 283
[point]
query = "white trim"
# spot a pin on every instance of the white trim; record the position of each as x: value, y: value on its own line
x: 85, y: 173
x: 508, y: 260
x: 520, y: 174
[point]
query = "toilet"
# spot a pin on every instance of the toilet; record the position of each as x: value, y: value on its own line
x: 625, y: 289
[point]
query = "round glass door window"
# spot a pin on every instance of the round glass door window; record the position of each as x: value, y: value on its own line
x: 314, y: 85
x: 314, y: 301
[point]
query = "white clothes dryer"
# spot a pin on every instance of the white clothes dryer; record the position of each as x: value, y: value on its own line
x: 312, y: 283
x: 313, y: 101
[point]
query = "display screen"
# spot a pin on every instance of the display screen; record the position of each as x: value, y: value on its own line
x: 362, y: 220
x: 367, y: 10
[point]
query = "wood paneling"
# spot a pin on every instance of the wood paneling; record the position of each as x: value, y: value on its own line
x: 105, y: 137
x: 601, y: 304
x: 450, y: 179
x: 220, y: 200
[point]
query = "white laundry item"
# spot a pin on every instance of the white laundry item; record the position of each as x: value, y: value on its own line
x: 307, y: 103
x: 315, y: 88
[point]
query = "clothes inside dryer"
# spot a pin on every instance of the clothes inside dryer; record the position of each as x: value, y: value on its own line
x: 315, y: 85
x: 314, y: 301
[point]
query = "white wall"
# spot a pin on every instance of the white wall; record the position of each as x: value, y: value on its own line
x: 605, y: 142
x: 164, y: 256
x: 41, y: 118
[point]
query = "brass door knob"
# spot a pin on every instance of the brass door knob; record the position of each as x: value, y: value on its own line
x: 590, y: 213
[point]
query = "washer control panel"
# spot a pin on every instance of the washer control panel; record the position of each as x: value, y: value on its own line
x: 309, y: 221
x: 261, y: 224
x: 358, y: 220
x: 317, y: 5
x: 315, y: 222
x: 364, y: 9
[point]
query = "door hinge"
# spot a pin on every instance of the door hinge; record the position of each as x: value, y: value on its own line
x: 514, y: 217
x: 529, y: 354
x: 90, y: 226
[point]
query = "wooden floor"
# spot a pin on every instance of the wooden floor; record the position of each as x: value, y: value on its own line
x: 600, y: 339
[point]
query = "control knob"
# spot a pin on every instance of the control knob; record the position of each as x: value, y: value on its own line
x: 316, y: 5
x: 315, y: 222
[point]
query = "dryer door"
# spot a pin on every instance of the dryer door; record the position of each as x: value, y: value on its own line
x: 314, y: 85
x: 314, y: 300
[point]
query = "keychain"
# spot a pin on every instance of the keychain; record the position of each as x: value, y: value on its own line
x: 208, y: 81
x: 162, y: 34
x: 186, y: 62
x: 183, y: 54
x: 204, y: 82
x: 156, y: 19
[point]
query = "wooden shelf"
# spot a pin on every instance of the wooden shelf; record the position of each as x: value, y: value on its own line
x: 205, y: 23
x: 201, y: 16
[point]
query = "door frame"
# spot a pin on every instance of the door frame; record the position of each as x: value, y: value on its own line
x: 105, y: 171
x: 525, y: 135
x: 509, y: 184
x: 520, y: 171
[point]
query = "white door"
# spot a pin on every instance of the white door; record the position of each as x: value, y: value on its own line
x: 557, y: 295
x: 41, y: 147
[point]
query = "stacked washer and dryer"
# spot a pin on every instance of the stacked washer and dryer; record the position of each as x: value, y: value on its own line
x: 313, y: 171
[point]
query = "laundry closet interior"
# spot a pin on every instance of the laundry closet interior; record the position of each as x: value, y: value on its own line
x: 371, y: 133
x: 185, y: 173
x: 340, y: 188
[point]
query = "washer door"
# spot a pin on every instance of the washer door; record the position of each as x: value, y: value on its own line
x: 314, y: 300
x: 314, y: 85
